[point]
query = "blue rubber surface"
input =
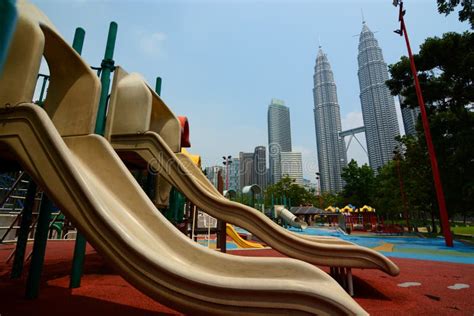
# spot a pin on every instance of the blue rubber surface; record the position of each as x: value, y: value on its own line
x: 405, y: 247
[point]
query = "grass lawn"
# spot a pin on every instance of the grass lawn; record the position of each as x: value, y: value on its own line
x: 469, y: 230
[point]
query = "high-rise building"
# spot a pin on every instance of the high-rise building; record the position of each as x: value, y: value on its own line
x: 211, y: 174
x: 378, y: 106
x: 292, y: 166
x: 245, y: 169
x: 279, y: 136
x: 260, y: 167
x: 410, y: 118
x: 234, y: 174
x: 327, y: 120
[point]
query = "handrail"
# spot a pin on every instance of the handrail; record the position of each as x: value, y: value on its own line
x: 13, y: 187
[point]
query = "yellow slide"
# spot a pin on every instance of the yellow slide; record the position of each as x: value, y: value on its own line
x: 242, y: 243
x: 83, y: 175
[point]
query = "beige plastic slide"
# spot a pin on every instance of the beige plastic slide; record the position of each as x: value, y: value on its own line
x: 143, y: 140
x: 242, y: 243
x: 84, y: 176
x: 289, y: 217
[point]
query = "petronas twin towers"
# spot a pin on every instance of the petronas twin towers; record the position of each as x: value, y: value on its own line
x: 378, y: 110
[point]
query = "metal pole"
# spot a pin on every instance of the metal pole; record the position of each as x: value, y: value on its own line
x: 426, y: 127
x: 8, y: 16
x: 24, y: 230
x: 158, y: 86
x: 107, y: 67
x: 39, y: 249
x: 80, y: 245
x: 43, y: 88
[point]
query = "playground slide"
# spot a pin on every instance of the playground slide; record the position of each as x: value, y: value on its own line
x: 81, y: 174
x: 289, y: 217
x: 151, y: 147
x: 121, y: 223
x: 133, y: 101
x: 242, y: 243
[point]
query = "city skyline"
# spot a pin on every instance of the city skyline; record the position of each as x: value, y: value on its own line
x: 222, y: 61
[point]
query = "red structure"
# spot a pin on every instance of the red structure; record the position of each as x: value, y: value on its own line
x: 443, y: 214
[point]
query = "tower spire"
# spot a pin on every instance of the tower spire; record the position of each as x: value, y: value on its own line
x: 362, y: 13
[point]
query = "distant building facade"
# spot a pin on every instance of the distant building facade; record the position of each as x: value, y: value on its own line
x: 246, y: 166
x: 410, y: 118
x: 279, y: 136
x: 211, y: 174
x: 378, y: 106
x: 292, y: 166
x: 327, y: 118
x: 234, y: 174
x: 259, y: 170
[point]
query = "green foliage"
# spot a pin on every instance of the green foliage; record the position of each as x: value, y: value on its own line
x: 287, y: 189
x: 359, y: 184
x: 465, y: 14
x: 446, y: 73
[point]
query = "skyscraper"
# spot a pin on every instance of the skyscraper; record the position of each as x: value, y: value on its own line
x: 378, y: 106
x: 279, y: 136
x: 211, y: 174
x: 410, y: 118
x: 327, y: 120
x: 260, y: 167
x: 246, y: 167
x: 234, y: 174
x: 292, y: 166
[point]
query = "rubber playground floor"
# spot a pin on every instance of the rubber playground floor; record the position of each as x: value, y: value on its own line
x: 432, y: 249
x: 424, y: 287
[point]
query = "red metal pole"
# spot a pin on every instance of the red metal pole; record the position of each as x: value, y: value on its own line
x: 431, y: 151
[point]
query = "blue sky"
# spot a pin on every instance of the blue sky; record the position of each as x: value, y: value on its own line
x: 222, y: 61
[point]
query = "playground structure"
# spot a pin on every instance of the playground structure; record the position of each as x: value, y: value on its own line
x: 140, y: 141
x: 81, y: 173
x: 289, y: 218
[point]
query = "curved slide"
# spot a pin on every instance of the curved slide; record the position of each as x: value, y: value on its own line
x: 120, y: 222
x: 82, y: 174
x: 242, y: 243
x: 133, y: 101
x: 289, y: 217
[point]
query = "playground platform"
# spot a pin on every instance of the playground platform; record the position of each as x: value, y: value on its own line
x: 422, y: 288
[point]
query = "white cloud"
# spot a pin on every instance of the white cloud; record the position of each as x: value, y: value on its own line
x: 151, y: 44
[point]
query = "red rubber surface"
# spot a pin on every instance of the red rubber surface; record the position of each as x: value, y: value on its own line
x: 103, y: 292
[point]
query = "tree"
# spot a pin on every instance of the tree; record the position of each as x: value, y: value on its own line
x: 359, y: 183
x: 465, y: 14
x: 287, y: 191
x: 386, y: 193
x: 446, y: 73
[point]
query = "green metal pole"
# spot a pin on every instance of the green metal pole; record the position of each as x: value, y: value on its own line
x: 24, y: 230
x: 107, y: 67
x: 39, y: 249
x: 80, y: 246
x: 43, y: 88
x: 158, y: 86
x: 8, y: 16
